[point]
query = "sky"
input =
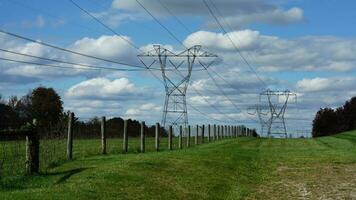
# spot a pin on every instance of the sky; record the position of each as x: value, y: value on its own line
x: 307, y: 47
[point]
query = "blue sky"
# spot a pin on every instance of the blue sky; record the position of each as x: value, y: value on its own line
x: 304, y: 46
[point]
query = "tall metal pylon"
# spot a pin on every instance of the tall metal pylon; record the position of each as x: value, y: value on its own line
x: 271, y: 111
x: 176, y: 70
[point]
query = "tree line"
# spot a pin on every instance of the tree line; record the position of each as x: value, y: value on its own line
x: 330, y: 121
x: 44, y: 108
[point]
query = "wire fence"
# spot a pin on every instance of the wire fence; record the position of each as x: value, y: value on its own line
x: 88, y: 140
x: 52, y: 149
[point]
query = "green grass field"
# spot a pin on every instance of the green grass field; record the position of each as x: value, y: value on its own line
x: 243, y: 168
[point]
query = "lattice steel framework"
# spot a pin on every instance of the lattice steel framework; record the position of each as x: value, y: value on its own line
x: 271, y: 110
x: 176, y: 70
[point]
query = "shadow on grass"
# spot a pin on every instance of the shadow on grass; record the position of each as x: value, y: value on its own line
x: 29, y: 182
x: 68, y: 174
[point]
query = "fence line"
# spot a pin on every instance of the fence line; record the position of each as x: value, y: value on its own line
x: 34, y: 145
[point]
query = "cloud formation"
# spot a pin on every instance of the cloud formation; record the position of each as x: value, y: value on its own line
x: 273, y: 54
x: 235, y: 12
x: 103, y: 88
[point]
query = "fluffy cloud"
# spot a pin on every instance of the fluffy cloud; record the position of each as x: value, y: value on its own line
x: 145, y: 109
x: 108, y: 47
x: 313, y: 85
x: 244, y: 40
x: 272, y: 54
x: 326, y: 84
x: 235, y: 12
x: 103, y: 88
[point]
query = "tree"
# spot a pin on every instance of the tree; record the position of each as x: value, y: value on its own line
x: 46, y: 106
x: 324, y: 122
x: 8, y: 117
x: 349, y: 114
x: 329, y: 121
x: 23, y: 107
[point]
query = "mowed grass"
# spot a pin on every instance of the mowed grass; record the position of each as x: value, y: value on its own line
x: 243, y: 168
x: 53, y: 151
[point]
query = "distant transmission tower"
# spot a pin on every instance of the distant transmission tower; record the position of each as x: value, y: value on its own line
x: 176, y: 71
x: 271, y: 110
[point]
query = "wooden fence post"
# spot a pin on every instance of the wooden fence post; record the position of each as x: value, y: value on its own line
x: 143, y: 145
x: 32, y: 153
x: 209, y: 131
x: 231, y: 131
x: 125, y: 138
x: 202, y: 133
x: 180, y: 139
x: 157, y: 133
x: 214, y: 132
x: 188, y: 136
x: 197, y: 135
x: 70, y: 136
x: 103, y: 135
x: 222, y: 131
x: 226, y: 133
x: 218, y: 135
x: 170, y: 134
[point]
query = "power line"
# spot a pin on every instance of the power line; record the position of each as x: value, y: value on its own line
x: 179, y: 41
x: 217, y: 85
x: 62, y: 67
x: 189, y: 32
x: 97, y: 20
x: 232, y: 42
x: 229, y: 26
x: 66, y: 62
x: 67, y: 50
x: 175, y: 17
x: 103, y: 24
x: 210, y: 104
x: 162, y: 25
x: 193, y: 107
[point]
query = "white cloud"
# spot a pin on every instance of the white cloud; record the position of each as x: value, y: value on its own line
x: 326, y: 84
x: 108, y: 47
x: 102, y: 88
x: 315, y: 84
x: 272, y: 54
x: 144, y: 109
x: 244, y: 39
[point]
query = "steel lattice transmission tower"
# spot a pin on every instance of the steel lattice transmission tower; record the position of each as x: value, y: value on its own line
x: 271, y: 111
x: 176, y: 70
